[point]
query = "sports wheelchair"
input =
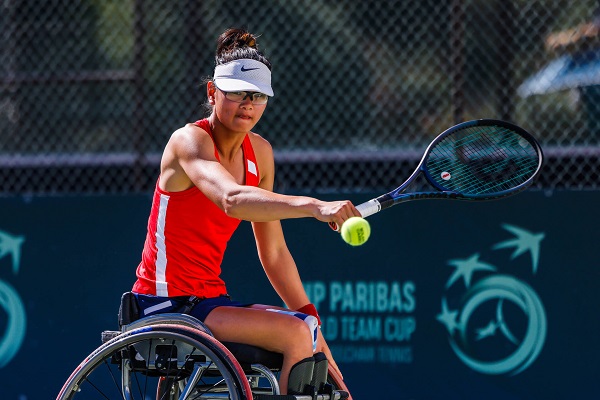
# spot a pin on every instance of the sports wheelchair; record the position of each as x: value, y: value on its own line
x: 175, y: 356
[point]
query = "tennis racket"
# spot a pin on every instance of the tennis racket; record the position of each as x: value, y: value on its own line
x: 483, y: 159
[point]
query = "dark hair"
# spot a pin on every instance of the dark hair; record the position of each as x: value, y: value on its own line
x: 235, y: 44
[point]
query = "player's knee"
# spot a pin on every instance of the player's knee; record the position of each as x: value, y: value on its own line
x: 301, y: 334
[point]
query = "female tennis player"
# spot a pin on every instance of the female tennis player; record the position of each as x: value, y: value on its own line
x: 214, y: 173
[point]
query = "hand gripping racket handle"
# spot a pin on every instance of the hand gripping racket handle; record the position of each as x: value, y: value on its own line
x: 365, y: 209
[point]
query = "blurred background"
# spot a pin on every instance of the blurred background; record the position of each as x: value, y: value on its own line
x: 90, y: 90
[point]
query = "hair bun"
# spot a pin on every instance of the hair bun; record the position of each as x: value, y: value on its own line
x: 235, y: 38
x: 248, y: 39
x: 237, y: 43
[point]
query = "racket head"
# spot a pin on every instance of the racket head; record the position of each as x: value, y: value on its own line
x: 482, y: 159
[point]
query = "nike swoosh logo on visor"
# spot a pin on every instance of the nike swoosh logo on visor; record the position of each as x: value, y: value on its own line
x: 248, y: 69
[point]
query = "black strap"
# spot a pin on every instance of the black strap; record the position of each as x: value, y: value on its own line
x: 190, y: 304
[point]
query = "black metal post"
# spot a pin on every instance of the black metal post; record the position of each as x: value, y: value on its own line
x: 139, y: 114
x: 194, y: 37
x: 506, y: 85
x: 457, y: 44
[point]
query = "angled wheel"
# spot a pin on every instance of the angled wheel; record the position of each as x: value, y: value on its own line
x: 171, y: 361
x: 338, y: 384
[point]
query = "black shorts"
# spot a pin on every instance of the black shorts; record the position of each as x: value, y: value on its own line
x: 150, y: 305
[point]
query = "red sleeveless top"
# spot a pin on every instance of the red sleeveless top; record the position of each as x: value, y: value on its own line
x: 186, y: 239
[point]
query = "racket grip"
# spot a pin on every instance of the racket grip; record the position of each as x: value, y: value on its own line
x: 365, y: 209
x: 369, y: 208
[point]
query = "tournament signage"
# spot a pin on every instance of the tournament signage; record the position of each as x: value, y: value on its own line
x: 366, y: 322
x: 11, y: 304
x: 495, y: 322
x: 499, y: 325
x: 446, y: 300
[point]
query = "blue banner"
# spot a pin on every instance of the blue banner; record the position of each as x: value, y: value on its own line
x: 447, y: 300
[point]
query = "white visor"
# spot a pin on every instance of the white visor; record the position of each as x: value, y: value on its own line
x: 243, y: 75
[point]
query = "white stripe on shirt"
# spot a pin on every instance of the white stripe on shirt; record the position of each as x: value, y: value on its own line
x: 161, y: 247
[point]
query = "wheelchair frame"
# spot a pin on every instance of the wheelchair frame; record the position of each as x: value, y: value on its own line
x: 176, y: 356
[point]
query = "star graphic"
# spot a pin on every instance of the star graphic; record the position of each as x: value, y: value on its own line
x: 10, y: 244
x: 524, y: 241
x: 465, y: 268
x: 489, y: 330
x: 448, y: 318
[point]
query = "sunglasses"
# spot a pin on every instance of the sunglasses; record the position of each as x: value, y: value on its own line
x: 256, y: 98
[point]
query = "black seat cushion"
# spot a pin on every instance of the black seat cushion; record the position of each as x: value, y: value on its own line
x: 247, y: 354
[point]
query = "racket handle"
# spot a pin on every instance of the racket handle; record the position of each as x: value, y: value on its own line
x: 369, y: 208
x: 365, y: 209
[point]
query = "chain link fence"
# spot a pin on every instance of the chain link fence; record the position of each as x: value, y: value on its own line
x: 90, y: 90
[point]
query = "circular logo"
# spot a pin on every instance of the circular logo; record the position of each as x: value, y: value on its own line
x: 446, y: 175
x: 522, y: 331
x: 12, y: 338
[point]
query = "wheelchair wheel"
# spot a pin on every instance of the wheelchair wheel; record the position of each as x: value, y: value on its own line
x: 167, y: 361
x: 338, y: 384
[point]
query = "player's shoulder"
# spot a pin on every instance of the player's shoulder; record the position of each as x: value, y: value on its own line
x: 190, y: 141
x: 192, y: 129
x: 190, y: 133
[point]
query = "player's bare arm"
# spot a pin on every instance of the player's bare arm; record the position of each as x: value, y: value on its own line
x: 189, y: 159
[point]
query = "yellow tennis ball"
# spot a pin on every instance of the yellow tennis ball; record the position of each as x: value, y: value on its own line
x: 356, y: 231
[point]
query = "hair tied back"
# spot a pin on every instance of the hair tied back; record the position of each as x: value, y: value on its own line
x: 248, y: 39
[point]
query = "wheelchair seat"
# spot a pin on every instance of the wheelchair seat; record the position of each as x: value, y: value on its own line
x: 246, y: 354
x: 177, y: 355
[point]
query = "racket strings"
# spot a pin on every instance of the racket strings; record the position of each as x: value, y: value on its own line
x: 481, y: 160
